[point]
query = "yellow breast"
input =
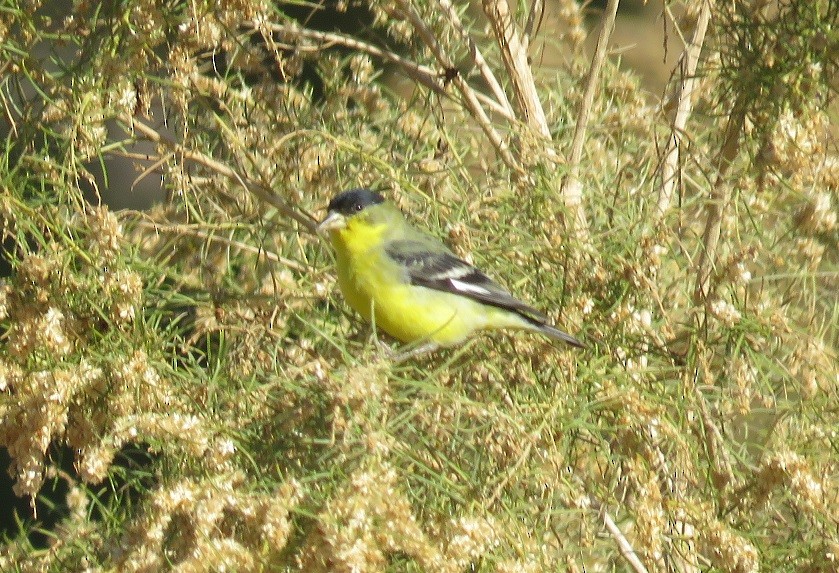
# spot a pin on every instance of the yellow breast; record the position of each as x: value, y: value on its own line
x: 376, y: 287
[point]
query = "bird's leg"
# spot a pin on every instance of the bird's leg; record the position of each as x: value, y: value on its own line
x: 393, y: 356
x: 398, y: 357
x: 383, y: 347
x: 385, y: 351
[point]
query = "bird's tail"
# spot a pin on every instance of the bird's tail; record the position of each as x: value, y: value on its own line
x: 553, y: 332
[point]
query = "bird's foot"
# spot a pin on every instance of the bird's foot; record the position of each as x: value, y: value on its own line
x: 397, y: 357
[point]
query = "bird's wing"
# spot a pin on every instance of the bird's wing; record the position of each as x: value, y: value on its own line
x: 437, y: 268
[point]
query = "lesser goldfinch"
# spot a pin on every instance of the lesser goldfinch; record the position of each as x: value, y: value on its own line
x: 410, y: 285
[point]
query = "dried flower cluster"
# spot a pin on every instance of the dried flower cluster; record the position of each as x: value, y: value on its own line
x: 371, y: 520
x: 59, y: 307
x: 215, y: 523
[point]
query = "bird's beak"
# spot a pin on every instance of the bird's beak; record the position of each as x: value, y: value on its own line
x: 333, y: 222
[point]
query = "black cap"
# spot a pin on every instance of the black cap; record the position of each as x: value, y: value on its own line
x: 354, y: 200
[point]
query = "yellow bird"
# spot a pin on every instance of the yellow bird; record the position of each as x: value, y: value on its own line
x: 410, y: 285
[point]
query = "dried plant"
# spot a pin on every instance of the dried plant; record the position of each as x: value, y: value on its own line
x: 188, y: 374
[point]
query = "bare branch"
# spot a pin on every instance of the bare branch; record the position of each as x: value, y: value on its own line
x: 423, y: 75
x: 687, y: 71
x: 477, y: 57
x: 469, y: 95
x: 624, y: 546
x: 571, y: 187
x: 514, y: 54
x: 534, y: 18
x: 261, y: 191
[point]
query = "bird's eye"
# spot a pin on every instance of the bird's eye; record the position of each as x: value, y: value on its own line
x: 358, y: 206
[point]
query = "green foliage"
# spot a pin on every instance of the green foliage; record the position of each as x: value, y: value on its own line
x: 223, y: 410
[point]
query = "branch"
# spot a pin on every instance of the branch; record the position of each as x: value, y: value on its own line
x: 262, y: 192
x: 515, y: 59
x: 687, y: 66
x: 478, y: 58
x: 423, y: 75
x: 534, y: 19
x: 470, y: 98
x: 716, y: 203
x: 572, y: 189
x: 624, y: 546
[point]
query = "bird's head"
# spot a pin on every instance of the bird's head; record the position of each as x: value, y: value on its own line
x: 347, y: 205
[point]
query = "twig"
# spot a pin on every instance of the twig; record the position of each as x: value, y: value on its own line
x: 624, y: 546
x: 180, y: 229
x: 714, y: 440
x: 477, y: 57
x: 470, y: 98
x: 261, y: 191
x: 572, y: 189
x: 717, y: 202
x: 423, y: 75
x: 687, y: 66
x: 534, y: 20
x: 514, y: 55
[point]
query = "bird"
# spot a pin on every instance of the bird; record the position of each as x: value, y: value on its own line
x: 407, y: 283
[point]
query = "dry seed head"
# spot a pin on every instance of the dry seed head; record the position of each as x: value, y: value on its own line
x: 469, y: 539
x: 412, y: 124
x: 400, y: 30
x: 571, y: 17
x: 791, y: 470
x: 725, y: 312
x: 727, y: 550
x: 810, y: 250
x: 650, y: 517
x: 125, y: 288
x: 53, y: 336
x: 11, y: 376
x: 315, y: 161
x: 105, y: 232
x: 368, y: 518
x: 38, y: 414
x: 817, y: 215
x: 38, y: 272
x: 362, y: 69
x: 799, y: 139
x: 210, y: 521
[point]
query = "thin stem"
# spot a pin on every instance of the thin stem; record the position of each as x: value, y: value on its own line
x: 261, y: 191
x: 470, y: 98
x: 514, y: 55
x: 477, y: 57
x: 423, y: 75
x: 716, y: 204
x: 687, y: 71
x: 571, y: 187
